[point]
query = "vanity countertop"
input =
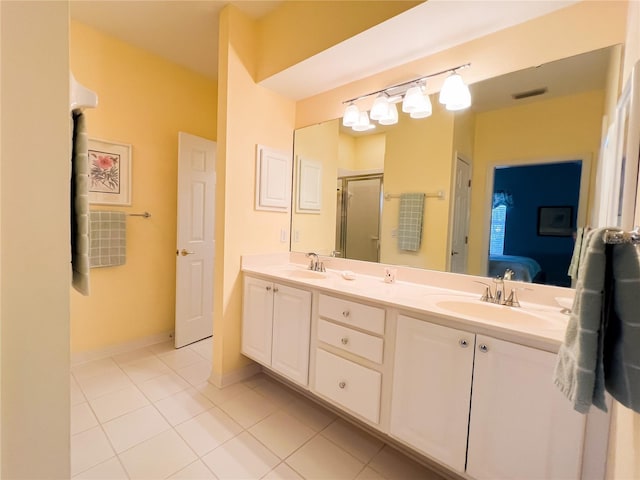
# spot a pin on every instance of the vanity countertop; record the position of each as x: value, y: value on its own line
x: 533, y: 324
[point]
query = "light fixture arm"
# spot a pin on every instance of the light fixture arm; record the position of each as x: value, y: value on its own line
x: 409, y: 82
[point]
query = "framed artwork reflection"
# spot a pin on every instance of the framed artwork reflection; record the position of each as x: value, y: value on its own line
x: 555, y: 221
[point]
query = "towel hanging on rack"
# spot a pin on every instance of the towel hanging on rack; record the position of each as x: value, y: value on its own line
x: 80, y: 206
x: 410, y: 221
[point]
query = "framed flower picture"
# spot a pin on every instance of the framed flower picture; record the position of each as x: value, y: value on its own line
x: 109, y: 172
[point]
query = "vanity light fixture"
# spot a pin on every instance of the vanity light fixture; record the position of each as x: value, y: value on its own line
x: 455, y: 95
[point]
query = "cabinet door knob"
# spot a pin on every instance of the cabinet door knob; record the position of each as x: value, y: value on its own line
x: 345, y: 313
x: 344, y: 340
x: 342, y: 384
x: 275, y: 289
x: 268, y: 288
x: 463, y: 343
x: 483, y: 348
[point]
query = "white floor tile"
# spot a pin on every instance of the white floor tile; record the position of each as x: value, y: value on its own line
x: 353, y: 440
x: 183, y: 405
x: 221, y: 395
x: 163, y: 386
x: 180, y: 358
x: 159, y: 457
x: 112, y: 405
x: 249, y: 408
x: 322, y: 459
x: 370, y: 474
x: 109, y: 470
x: 195, y: 471
x: 104, y: 383
x: 88, y: 449
x: 82, y: 418
x: 208, y: 430
x: 276, y: 392
x: 252, y: 382
x: 135, y: 427
x: 310, y: 413
x: 94, y: 368
x: 76, y: 393
x: 133, y: 356
x: 204, y: 348
x: 391, y: 464
x: 282, y: 433
x: 242, y: 457
x: 196, y: 374
x: 145, y: 369
x: 164, y: 347
x: 282, y: 472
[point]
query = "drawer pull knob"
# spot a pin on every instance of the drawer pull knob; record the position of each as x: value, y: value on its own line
x: 345, y: 313
x: 484, y: 348
x: 344, y: 340
x: 463, y: 343
x: 342, y: 384
x: 268, y: 288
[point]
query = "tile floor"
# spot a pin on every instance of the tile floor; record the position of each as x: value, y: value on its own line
x: 150, y: 414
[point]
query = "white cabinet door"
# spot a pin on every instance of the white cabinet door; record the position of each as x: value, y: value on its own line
x: 257, y: 312
x: 431, y: 389
x: 521, y: 427
x: 291, y: 332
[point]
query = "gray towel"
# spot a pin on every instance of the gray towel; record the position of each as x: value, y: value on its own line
x: 622, y: 337
x: 108, y: 238
x: 601, y: 343
x: 410, y: 221
x: 80, y: 206
x: 575, y: 258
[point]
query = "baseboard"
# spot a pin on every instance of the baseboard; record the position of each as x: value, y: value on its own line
x: 82, y: 357
x: 236, y: 376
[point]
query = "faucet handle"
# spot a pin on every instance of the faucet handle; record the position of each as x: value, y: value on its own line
x: 487, y: 296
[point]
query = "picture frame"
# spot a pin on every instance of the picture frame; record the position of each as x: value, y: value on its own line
x: 555, y: 221
x: 109, y: 172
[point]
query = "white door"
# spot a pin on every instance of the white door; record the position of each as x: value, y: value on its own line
x: 195, y: 249
x: 432, y: 389
x: 521, y: 426
x: 257, y: 314
x: 460, y: 226
x: 291, y: 331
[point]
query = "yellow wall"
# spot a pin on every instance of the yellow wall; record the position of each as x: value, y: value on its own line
x: 240, y: 229
x: 316, y: 232
x: 143, y: 101
x: 35, y: 257
x: 546, y: 130
x: 370, y: 152
x: 297, y: 30
x: 582, y: 27
x: 418, y: 158
x: 346, y: 151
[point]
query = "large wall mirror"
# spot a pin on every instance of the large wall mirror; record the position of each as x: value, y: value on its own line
x: 505, y: 182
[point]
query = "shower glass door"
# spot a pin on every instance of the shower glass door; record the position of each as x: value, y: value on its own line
x: 359, y: 217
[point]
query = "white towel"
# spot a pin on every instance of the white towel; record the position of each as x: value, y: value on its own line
x: 80, y: 206
x: 410, y: 221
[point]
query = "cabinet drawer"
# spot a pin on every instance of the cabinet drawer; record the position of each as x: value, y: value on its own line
x: 349, y: 384
x: 362, y: 316
x: 358, y: 343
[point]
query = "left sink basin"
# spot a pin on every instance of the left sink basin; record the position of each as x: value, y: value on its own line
x: 305, y: 274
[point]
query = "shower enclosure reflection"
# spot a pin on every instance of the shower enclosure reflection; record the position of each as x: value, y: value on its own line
x: 358, y: 217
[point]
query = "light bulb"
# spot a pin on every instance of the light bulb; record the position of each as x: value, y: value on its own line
x: 380, y: 107
x: 351, y: 115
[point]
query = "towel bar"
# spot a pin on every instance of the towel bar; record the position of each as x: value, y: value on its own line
x: 144, y: 214
x: 621, y: 236
x: 439, y: 194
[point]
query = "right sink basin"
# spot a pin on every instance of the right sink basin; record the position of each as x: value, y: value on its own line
x: 498, y: 313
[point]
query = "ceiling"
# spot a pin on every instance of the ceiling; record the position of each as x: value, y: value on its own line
x: 186, y: 32
x: 182, y: 31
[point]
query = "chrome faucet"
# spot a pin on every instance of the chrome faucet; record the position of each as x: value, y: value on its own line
x: 508, y: 274
x: 315, y: 264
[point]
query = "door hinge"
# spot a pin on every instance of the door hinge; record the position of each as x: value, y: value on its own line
x: 466, y: 240
x: 469, y: 183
